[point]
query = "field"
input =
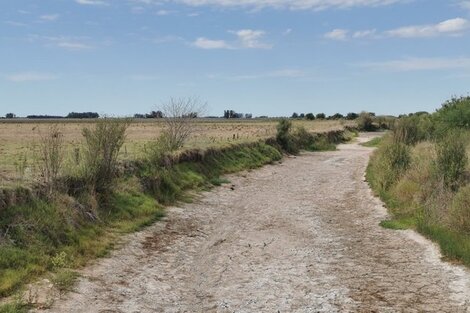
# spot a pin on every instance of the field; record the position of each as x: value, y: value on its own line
x: 19, y: 139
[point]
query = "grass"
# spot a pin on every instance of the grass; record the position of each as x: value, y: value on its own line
x: 219, y: 181
x: 15, y: 307
x: 39, y: 231
x: 64, y: 280
x: 417, y: 200
x: 373, y: 143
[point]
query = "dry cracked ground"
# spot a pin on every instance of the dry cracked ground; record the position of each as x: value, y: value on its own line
x: 301, y: 236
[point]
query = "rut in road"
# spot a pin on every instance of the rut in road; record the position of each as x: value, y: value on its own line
x: 301, y: 236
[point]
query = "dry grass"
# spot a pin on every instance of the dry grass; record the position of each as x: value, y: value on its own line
x: 19, y: 139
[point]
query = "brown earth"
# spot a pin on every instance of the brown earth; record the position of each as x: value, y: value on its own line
x: 302, y: 236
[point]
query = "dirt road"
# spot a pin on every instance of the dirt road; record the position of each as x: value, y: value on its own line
x: 302, y: 236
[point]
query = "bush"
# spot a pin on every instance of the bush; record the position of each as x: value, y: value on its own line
x: 365, y: 122
x: 51, y: 157
x: 284, y: 138
x: 389, y: 162
x: 406, y: 130
x: 102, y: 145
x: 451, y: 160
x: 460, y: 212
x: 454, y: 113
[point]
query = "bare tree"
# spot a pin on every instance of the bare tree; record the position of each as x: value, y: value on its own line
x: 179, y: 118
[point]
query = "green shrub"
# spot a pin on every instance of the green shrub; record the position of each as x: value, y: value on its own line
x: 388, y: 163
x: 451, y: 160
x: 102, y: 145
x: 406, y: 130
x: 285, y: 138
x: 365, y: 122
x: 454, y: 113
x: 460, y: 211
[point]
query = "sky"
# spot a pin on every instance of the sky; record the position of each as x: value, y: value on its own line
x: 265, y: 57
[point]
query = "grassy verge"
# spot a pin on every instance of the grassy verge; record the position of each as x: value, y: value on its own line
x: 416, y: 200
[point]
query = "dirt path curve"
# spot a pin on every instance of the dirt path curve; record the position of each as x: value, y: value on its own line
x: 302, y: 236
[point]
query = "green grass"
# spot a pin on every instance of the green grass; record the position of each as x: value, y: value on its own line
x: 400, y: 223
x: 373, y: 143
x: 219, y: 181
x: 39, y: 231
x: 64, y: 280
x: 15, y: 307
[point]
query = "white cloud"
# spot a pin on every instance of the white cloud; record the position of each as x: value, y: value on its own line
x: 49, y: 17
x: 30, y: 77
x: 246, y: 39
x: 419, y: 64
x: 70, y: 45
x: 64, y: 42
x: 251, y: 39
x: 369, y: 33
x: 16, y: 24
x: 465, y: 5
x: 91, y: 2
x: 337, y: 34
x: 163, y: 12
x: 287, y: 32
x: 292, y: 4
x: 449, y: 27
x: 205, y: 43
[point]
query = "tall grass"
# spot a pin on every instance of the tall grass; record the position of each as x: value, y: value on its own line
x: 421, y: 172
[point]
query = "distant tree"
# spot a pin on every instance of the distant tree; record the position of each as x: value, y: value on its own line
x: 302, y: 115
x: 231, y: 114
x: 336, y: 116
x: 321, y: 116
x: 310, y: 116
x: 352, y: 116
x: 10, y: 115
x: 137, y: 115
x: 248, y: 115
x: 83, y: 115
x: 154, y: 114
x: 44, y: 117
x: 295, y: 115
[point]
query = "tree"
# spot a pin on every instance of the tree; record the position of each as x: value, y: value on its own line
x: 352, y: 116
x: 154, y: 114
x: 179, y: 117
x: 310, y: 116
x: 302, y: 115
x: 336, y: 116
x: 295, y: 115
x: 321, y: 116
x: 10, y: 115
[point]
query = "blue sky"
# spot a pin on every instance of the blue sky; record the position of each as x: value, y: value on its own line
x: 266, y: 57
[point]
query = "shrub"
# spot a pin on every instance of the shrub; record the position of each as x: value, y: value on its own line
x: 451, y: 160
x: 51, y: 156
x: 365, y: 122
x: 454, y: 113
x: 102, y: 145
x: 285, y: 138
x: 460, y: 212
x: 179, y: 114
x: 406, y: 130
x: 389, y: 162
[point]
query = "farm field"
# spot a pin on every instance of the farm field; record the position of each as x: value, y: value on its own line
x: 19, y: 139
